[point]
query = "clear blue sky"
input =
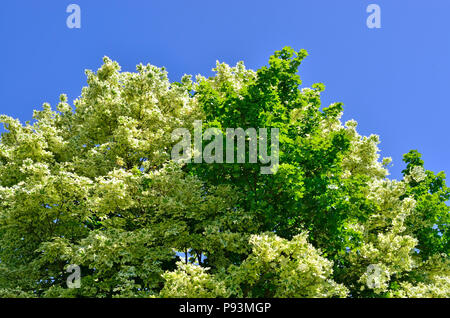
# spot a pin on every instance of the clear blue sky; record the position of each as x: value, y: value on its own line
x: 394, y: 81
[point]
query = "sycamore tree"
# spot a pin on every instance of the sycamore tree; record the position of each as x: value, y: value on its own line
x: 94, y: 185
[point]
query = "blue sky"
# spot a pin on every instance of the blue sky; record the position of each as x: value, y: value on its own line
x: 394, y: 81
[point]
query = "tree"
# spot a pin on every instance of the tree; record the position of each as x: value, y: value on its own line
x: 95, y: 186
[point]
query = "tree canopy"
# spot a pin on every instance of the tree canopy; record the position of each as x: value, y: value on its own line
x: 93, y: 184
